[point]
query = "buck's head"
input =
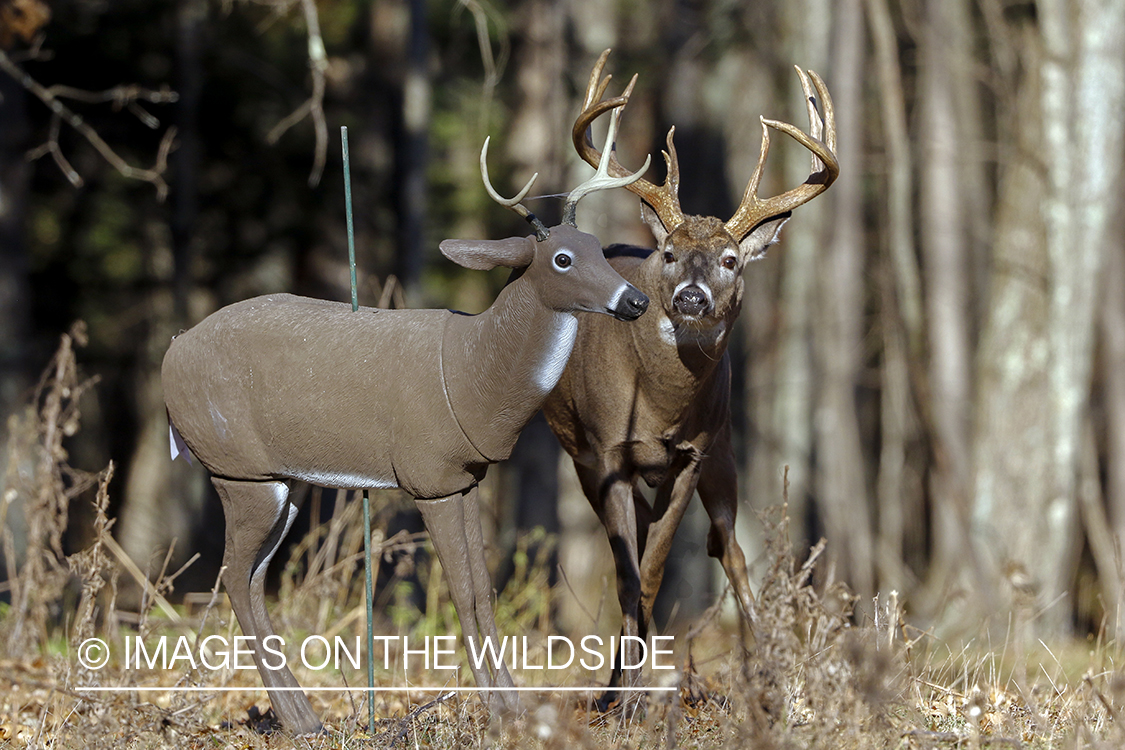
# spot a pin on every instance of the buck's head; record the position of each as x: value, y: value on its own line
x: 564, y: 265
x: 699, y: 260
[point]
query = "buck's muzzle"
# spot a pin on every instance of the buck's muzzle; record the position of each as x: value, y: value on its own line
x: 691, y: 300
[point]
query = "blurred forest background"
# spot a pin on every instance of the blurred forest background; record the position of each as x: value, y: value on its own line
x: 935, y: 350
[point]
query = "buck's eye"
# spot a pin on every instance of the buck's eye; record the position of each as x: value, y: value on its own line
x: 563, y: 261
x: 729, y: 262
x: 668, y: 257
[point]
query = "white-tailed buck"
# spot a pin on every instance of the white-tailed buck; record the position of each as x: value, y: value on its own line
x: 282, y: 387
x: 651, y: 401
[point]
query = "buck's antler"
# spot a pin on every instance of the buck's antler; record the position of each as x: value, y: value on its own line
x: 664, y: 199
x: 601, y: 179
x: 753, y: 209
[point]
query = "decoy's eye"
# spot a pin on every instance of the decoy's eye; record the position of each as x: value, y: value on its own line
x: 668, y: 257
x: 729, y: 262
x: 563, y: 261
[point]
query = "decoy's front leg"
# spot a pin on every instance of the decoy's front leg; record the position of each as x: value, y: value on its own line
x: 454, y: 526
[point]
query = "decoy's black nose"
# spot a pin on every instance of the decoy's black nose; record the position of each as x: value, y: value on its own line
x: 691, y: 300
x: 633, y: 305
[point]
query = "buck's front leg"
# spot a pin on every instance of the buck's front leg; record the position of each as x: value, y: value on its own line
x: 718, y: 489
x: 671, y: 502
x: 454, y: 526
x: 610, y: 491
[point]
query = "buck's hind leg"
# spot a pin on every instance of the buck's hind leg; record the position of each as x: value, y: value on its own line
x: 718, y: 489
x: 258, y: 515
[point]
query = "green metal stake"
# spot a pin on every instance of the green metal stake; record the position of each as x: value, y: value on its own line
x: 367, y: 593
x: 367, y: 589
x: 348, y: 213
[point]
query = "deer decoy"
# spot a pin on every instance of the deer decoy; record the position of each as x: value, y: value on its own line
x: 283, y: 387
x: 651, y: 401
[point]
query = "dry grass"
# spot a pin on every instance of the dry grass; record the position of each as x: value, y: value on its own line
x: 806, y: 676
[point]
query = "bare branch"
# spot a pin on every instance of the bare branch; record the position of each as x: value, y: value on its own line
x: 314, y: 105
x: 52, y: 147
x: 60, y: 112
x: 493, y: 63
x: 121, y: 96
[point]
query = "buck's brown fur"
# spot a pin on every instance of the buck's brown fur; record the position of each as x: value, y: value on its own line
x: 651, y: 402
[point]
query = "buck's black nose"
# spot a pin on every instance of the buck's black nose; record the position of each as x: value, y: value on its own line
x: 691, y: 300
x: 632, y: 305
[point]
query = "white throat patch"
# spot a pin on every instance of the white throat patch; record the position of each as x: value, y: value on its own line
x: 560, y: 342
x: 667, y: 331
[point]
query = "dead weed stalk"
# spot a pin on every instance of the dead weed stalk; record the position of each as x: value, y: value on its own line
x: 40, y: 483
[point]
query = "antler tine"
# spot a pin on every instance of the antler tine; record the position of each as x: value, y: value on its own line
x: 753, y: 210
x: 514, y: 202
x: 829, y: 111
x: 663, y: 199
x: 602, y: 179
x: 593, y: 106
x: 595, y: 88
x: 816, y: 127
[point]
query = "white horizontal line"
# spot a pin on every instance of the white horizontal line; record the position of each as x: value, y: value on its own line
x: 592, y: 688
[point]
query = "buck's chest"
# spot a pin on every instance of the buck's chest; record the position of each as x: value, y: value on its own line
x: 673, y: 427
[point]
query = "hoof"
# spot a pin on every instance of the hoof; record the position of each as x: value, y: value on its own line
x: 261, y: 722
x: 607, y: 701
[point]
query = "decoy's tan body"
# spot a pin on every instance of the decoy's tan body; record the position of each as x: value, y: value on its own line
x: 283, y: 387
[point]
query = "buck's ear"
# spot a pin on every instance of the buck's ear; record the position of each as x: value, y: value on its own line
x: 754, y: 245
x: 655, y: 225
x: 481, y: 255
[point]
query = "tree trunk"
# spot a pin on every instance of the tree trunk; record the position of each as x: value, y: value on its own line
x: 1083, y: 73
x: 540, y: 131
x: 975, y: 189
x: 537, y: 141
x: 899, y: 497
x: 186, y: 159
x: 1112, y: 345
x: 1010, y: 444
x: 804, y: 239
x: 1037, y: 345
x: 944, y: 250
x: 15, y: 293
x: 152, y: 516
x: 841, y: 486
x: 412, y: 152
